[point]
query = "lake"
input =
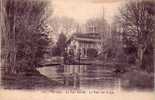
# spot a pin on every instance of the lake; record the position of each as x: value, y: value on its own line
x: 81, y: 76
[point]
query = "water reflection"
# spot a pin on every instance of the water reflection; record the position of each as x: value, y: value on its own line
x: 81, y: 75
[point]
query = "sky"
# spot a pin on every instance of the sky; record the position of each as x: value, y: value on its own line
x: 82, y: 10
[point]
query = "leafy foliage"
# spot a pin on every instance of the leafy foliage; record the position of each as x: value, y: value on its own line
x: 138, y: 27
x: 28, y: 35
x: 61, y: 44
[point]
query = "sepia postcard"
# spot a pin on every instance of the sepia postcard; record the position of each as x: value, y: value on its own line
x: 77, y: 49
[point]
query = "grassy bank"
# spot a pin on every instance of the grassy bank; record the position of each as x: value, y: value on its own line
x: 137, y: 80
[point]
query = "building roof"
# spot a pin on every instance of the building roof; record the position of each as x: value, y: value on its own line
x: 85, y: 37
x: 87, y: 40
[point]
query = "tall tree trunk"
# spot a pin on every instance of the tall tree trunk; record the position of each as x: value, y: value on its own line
x: 140, y: 55
x: 4, y: 39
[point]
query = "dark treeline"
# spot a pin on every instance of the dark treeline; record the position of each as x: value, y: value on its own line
x: 24, y: 35
x: 136, y: 21
x: 134, y: 26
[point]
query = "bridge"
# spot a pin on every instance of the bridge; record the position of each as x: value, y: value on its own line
x: 82, y: 61
x: 52, y: 61
x: 60, y: 61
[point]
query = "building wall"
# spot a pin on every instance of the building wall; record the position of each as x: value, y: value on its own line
x: 82, y: 47
x: 80, y: 44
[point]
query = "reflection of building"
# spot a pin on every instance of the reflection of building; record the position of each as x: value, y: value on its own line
x: 80, y: 43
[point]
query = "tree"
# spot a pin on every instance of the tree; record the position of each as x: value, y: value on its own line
x: 97, y: 25
x: 26, y: 37
x: 63, y: 24
x: 138, y: 27
x: 61, y: 44
x: 100, y: 26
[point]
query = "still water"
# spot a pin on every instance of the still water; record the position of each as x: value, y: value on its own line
x: 82, y: 76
